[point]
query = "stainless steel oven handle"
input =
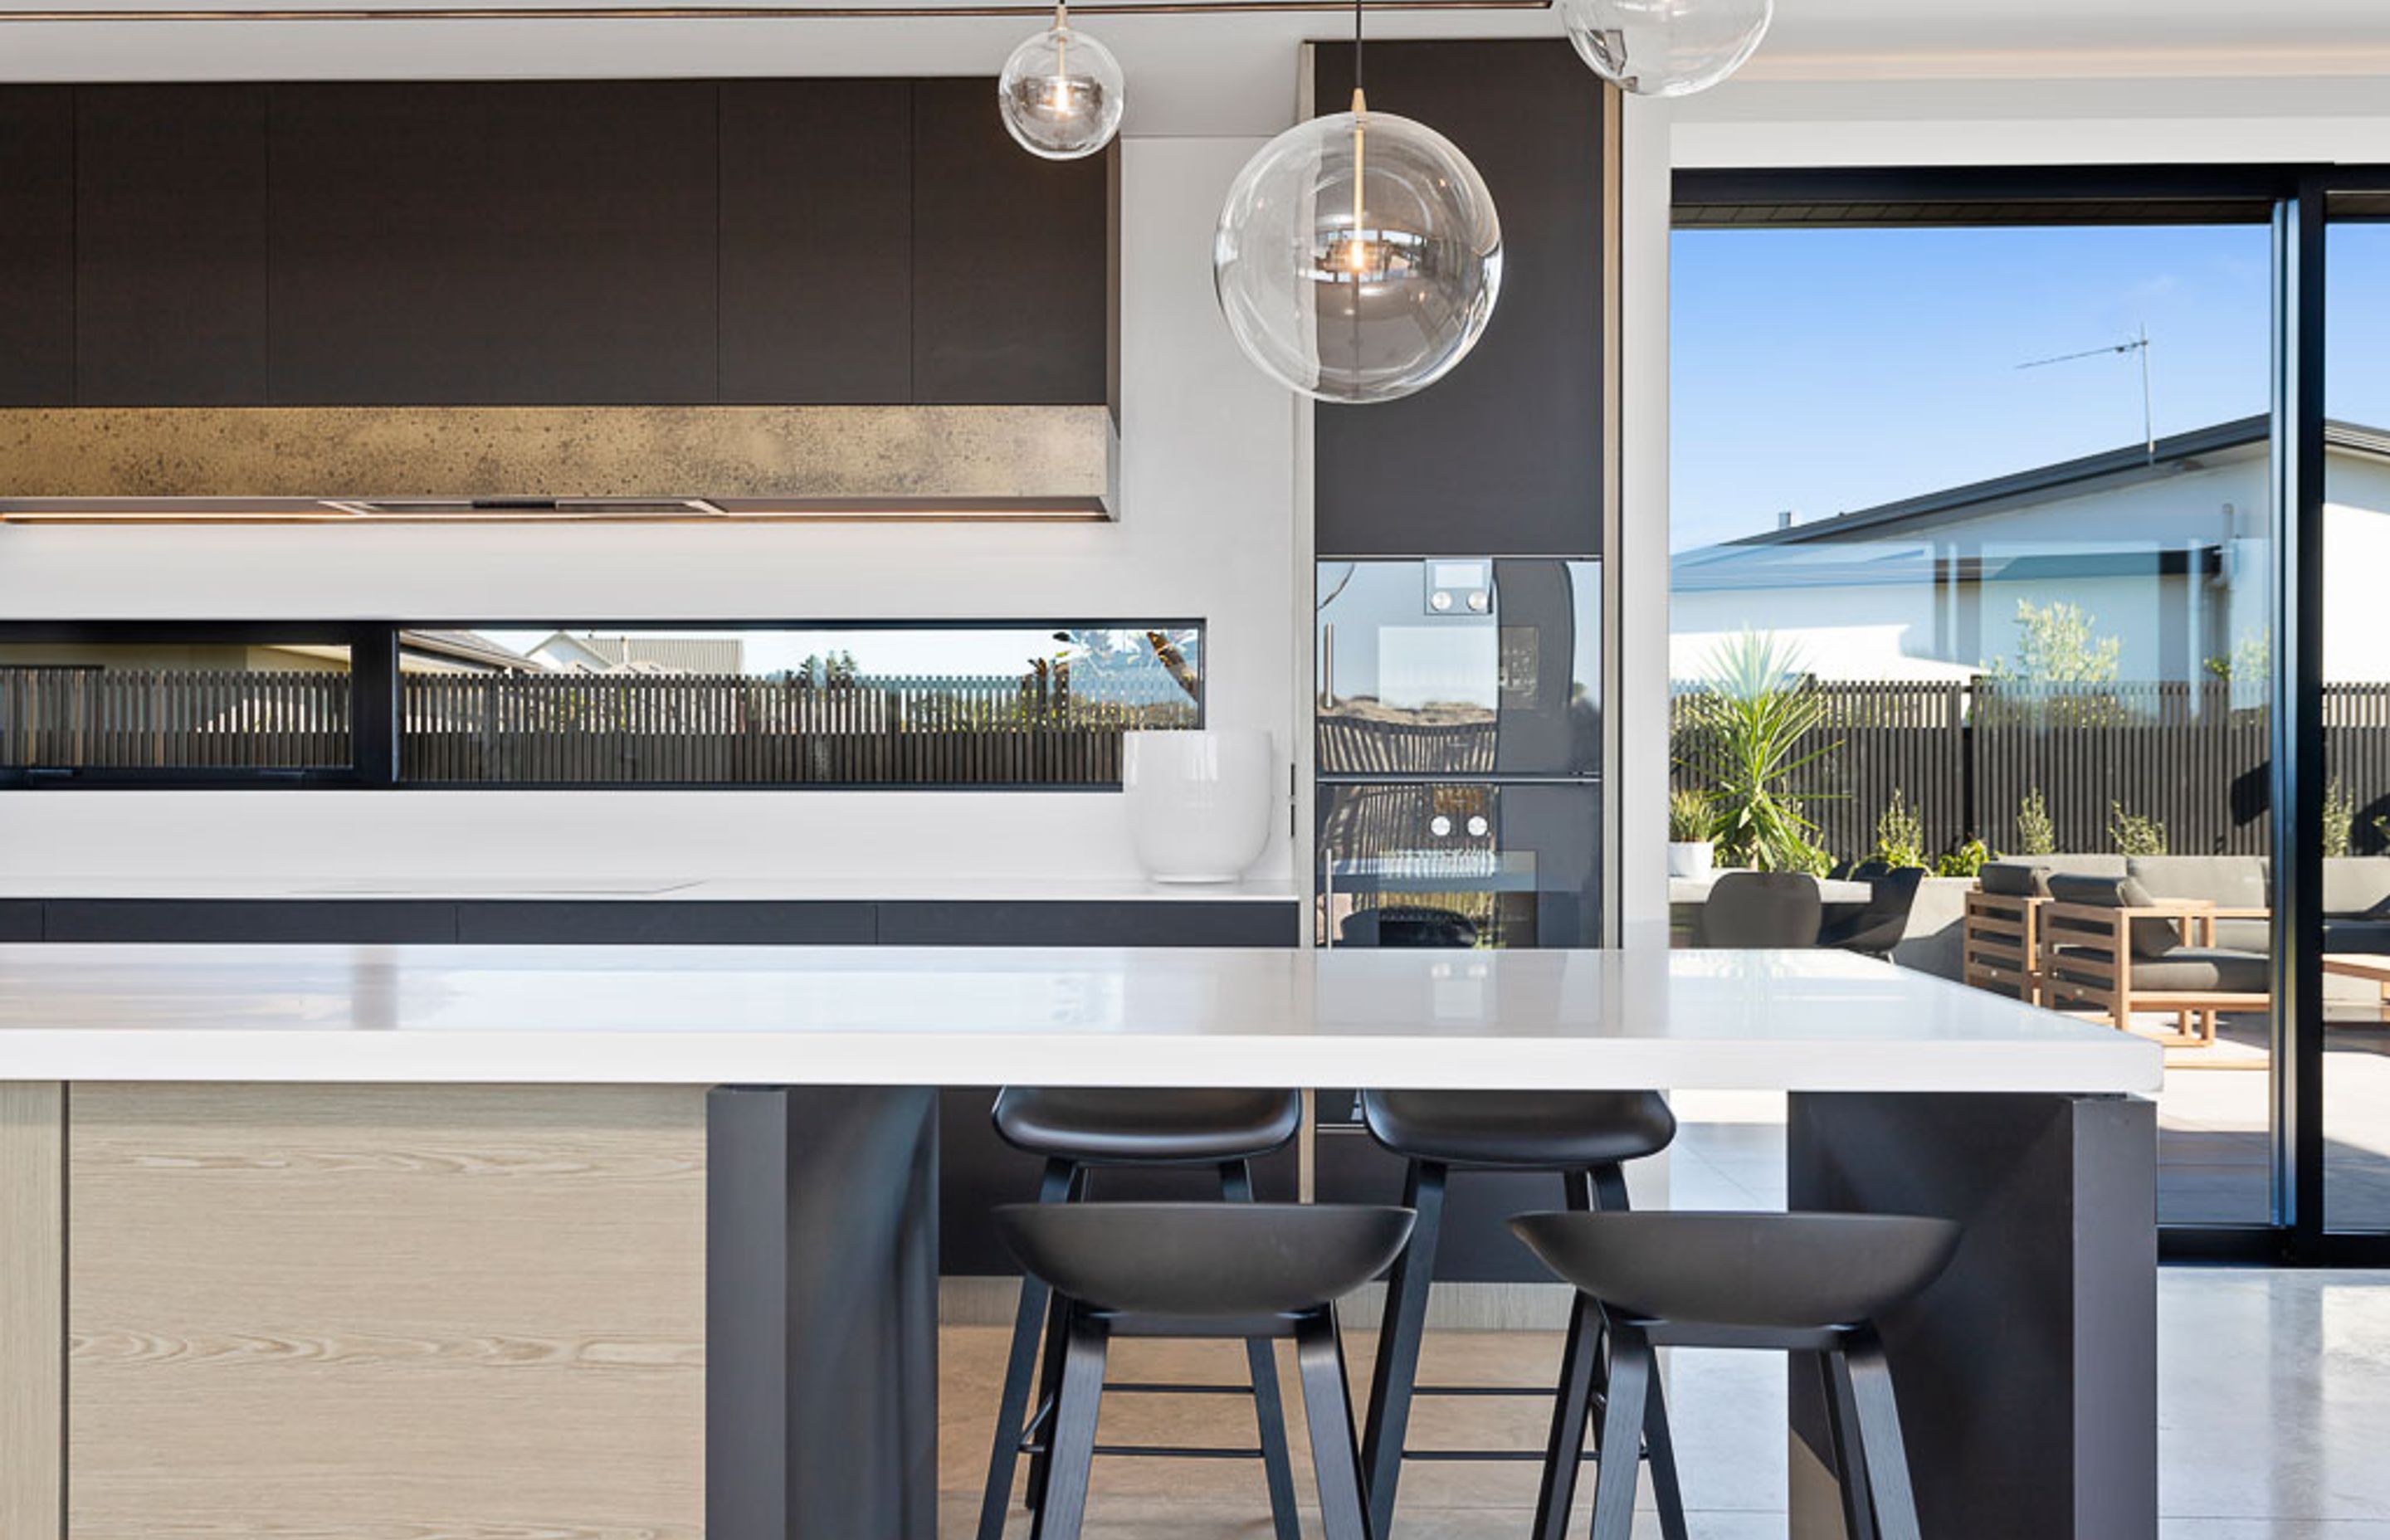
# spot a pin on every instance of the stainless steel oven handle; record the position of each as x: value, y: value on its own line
x: 1327, y: 665
x: 1327, y: 895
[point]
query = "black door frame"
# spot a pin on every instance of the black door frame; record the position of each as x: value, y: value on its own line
x: 2294, y: 201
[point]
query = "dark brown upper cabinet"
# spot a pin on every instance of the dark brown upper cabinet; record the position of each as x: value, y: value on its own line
x: 1505, y: 455
x: 37, y: 310
x: 494, y: 243
x: 171, y: 246
x: 544, y: 243
x: 1011, y: 298
x: 818, y: 241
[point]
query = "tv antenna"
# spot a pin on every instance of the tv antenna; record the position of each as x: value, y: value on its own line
x: 2139, y: 343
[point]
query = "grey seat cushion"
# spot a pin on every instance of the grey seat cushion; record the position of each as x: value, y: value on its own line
x: 2193, y: 971
x: 2357, y: 935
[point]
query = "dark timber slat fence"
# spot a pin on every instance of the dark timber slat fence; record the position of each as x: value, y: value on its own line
x: 2193, y: 756
x: 745, y: 730
x: 589, y: 729
x: 195, y: 719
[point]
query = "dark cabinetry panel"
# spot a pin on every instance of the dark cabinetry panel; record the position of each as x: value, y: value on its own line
x: 20, y: 920
x: 37, y: 258
x: 1010, y: 301
x: 493, y: 243
x: 1139, y: 923
x: 171, y: 246
x: 376, y: 921
x: 818, y: 241
x: 1504, y: 455
x: 620, y: 922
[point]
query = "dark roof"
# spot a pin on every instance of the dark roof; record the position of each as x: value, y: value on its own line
x: 468, y: 647
x: 2174, y: 455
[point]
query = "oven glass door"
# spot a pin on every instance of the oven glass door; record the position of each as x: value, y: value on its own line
x: 1452, y: 667
x: 1458, y: 863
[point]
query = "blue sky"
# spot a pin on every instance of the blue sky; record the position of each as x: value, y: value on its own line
x: 1826, y: 370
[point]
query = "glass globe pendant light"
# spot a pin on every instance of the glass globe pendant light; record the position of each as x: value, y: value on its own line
x: 1061, y: 93
x: 1666, y: 47
x: 1358, y: 255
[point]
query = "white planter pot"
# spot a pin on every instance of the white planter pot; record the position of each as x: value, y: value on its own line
x: 1690, y: 857
x: 1199, y: 802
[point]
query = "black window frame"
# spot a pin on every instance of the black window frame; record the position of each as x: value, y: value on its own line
x: 374, y: 672
x: 2293, y: 199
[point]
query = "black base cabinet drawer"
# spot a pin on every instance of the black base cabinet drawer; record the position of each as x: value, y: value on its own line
x: 20, y: 920
x: 269, y: 921
x: 1139, y: 922
x: 979, y: 1171
x: 630, y: 923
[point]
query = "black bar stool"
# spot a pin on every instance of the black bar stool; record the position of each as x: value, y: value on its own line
x: 1810, y: 1283
x: 1077, y: 1129
x: 1198, y: 1270
x: 1585, y: 1137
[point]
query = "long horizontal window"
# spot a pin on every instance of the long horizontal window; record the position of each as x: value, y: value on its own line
x: 692, y: 706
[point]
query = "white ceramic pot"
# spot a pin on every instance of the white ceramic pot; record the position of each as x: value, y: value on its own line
x: 1199, y: 802
x: 1690, y: 857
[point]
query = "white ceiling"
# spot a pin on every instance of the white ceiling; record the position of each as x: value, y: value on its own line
x: 1212, y: 75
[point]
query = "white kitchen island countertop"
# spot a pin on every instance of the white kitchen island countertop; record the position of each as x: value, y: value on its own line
x: 1797, y: 1020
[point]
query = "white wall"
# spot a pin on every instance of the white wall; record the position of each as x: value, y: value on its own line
x: 1206, y: 531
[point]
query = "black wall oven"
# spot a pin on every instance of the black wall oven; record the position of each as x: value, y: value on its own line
x: 1458, y: 754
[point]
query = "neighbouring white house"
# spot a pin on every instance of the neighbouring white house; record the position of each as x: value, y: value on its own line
x: 2162, y: 548
x: 571, y: 653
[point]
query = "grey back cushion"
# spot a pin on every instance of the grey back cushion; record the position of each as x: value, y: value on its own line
x: 2226, y: 882
x: 2357, y: 885
x: 2149, y: 937
x: 2029, y: 876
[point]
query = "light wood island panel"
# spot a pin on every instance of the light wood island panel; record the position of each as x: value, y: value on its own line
x: 32, y: 1306
x: 386, y: 1313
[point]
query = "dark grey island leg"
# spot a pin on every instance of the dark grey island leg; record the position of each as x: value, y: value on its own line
x: 821, y: 1302
x: 2027, y: 1375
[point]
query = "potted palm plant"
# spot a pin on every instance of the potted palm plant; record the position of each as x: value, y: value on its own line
x: 1689, y: 851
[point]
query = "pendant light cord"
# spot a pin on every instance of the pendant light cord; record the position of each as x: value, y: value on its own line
x: 1356, y: 47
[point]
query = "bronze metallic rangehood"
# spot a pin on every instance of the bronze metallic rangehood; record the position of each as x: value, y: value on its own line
x: 515, y: 464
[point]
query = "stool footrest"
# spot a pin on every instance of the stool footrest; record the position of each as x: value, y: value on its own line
x: 1541, y: 1392
x: 1160, y: 1387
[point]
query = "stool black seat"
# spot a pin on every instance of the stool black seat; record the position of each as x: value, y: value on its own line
x: 1585, y: 1137
x: 1808, y: 1283
x: 1078, y: 1130
x: 1504, y: 1130
x: 1207, y: 1259
x: 1198, y: 1270
x: 1102, y: 1126
x: 1792, y: 1271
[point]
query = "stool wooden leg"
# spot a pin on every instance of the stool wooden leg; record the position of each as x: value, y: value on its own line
x: 1328, y: 1408
x: 1398, y: 1344
x: 1077, y: 1407
x: 1622, y: 1428
x: 1662, y: 1447
x: 1570, y: 1406
x: 1878, y: 1418
x: 1609, y: 1196
x: 1050, y: 1366
x: 1004, y: 1460
x: 1269, y: 1406
x: 1842, y: 1432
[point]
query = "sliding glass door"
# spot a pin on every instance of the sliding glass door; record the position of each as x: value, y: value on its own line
x: 2051, y: 506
